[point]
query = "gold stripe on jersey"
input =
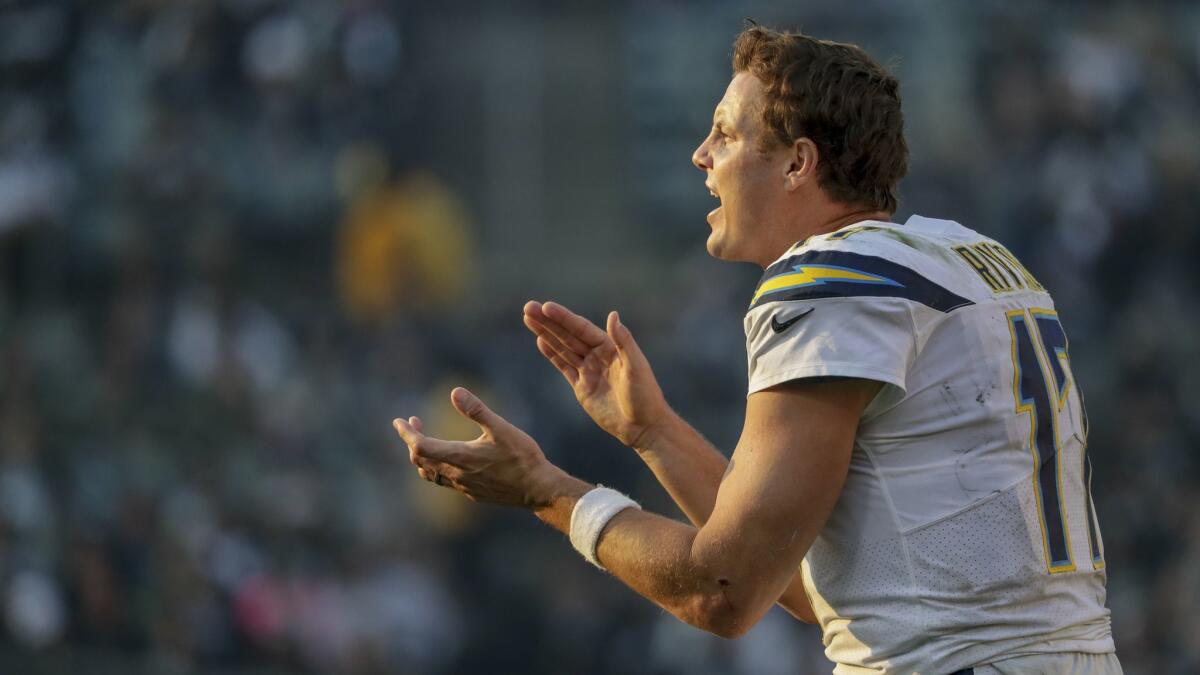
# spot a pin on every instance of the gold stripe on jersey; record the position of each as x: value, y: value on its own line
x: 805, y: 275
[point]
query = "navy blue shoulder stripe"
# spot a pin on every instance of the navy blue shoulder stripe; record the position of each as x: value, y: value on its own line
x: 839, y: 274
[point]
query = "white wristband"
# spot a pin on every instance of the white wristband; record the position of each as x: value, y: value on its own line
x: 591, y: 513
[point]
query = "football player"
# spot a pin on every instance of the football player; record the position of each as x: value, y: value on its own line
x: 912, y: 473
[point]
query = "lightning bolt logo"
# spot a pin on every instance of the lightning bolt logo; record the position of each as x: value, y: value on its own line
x: 809, y: 275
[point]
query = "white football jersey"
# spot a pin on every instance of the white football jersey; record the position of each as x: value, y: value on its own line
x: 965, y: 532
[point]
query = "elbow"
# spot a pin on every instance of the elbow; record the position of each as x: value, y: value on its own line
x: 715, y: 614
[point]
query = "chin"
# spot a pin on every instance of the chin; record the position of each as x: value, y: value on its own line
x: 715, y: 246
x: 721, y: 248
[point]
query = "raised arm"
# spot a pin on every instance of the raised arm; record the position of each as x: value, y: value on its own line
x: 788, y: 470
x: 614, y: 383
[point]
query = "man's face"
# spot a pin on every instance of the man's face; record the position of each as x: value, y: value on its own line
x: 749, y: 183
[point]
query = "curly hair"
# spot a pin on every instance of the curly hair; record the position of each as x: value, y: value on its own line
x: 839, y: 97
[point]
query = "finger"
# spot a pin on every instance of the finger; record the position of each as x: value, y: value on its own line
x: 415, y: 422
x: 568, y: 371
x: 540, y: 325
x: 623, y: 338
x: 407, y: 433
x: 470, y: 406
x: 547, y: 328
x: 422, y: 447
x: 433, y: 477
x: 536, y: 310
x: 532, y: 308
x: 569, y: 354
x: 588, y: 332
x: 431, y: 471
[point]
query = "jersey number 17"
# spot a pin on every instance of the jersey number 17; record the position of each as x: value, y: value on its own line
x: 1041, y: 385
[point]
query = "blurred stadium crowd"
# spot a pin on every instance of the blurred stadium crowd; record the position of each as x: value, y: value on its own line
x: 238, y: 237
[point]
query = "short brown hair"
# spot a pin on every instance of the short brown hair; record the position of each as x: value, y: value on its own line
x: 839, y: 97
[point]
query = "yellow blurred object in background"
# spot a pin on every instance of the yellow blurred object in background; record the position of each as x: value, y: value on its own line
x: 404, y: 246
x: 441, y: 508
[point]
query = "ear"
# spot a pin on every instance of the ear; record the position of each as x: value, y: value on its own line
x: 802, y: 163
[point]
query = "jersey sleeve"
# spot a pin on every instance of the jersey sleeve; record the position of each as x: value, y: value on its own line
x: 838, y: 314
x: 870, y: 338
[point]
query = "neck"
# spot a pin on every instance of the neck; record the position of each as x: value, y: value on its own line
x: 846, y: 219
x: 831, y: 223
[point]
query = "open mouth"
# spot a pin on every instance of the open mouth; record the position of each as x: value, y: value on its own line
x: 712, y: 214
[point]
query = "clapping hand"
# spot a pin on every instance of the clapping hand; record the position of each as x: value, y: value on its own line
x: 502, y: 466
x: 606, y: 369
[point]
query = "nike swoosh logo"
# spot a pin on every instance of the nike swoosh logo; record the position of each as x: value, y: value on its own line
x: 779, y: 327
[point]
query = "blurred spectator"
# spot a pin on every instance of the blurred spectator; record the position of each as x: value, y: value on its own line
x: 402, y: 246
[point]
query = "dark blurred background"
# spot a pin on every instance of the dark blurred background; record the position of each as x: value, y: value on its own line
x: 238, y: 237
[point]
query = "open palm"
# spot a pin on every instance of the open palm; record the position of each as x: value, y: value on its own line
x: 610, y: 376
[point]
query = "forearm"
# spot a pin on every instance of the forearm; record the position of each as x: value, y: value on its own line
x: 690, y: 468
x: 656, y: 557
x: 687, y: 465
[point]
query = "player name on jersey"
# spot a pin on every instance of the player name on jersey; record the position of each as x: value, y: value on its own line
x: 998, y: 268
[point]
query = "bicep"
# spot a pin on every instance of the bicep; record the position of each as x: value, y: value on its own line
x: 784, y: 478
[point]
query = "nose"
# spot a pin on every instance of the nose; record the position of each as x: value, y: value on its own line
x: 701, y: 158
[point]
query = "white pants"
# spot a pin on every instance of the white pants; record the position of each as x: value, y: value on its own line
x: 1054, y: 664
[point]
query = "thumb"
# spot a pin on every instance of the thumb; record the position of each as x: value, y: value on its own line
x: 469, y: 405
x: 622, y: 337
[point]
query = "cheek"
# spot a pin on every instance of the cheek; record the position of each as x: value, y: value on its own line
x: 759, y: 178
x: 748, y: 190
x: 729, y: 174
x: 744, y: 184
